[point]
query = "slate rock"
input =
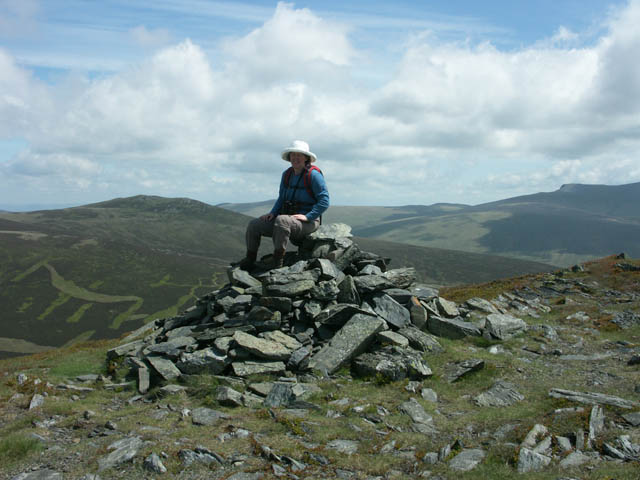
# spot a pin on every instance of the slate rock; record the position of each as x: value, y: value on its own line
x: 503, y: 326
x: 228, y: 397
x: 456, y: 370
x: 143, y: 380
x: 37, y: 400
x: 262, y: 348
x: 481, y: 305
x: 299, y: 359
x: 44, y: 474
x: 131, y: 348
x: 164, y: 367
x: 153, y: 464
x: 351, y: 340
x: 338, y: 314
x: 592, y: 398
x: 401, y: 277
x: 391, y: 311
x: 392, y: 364
x: 467, y: 460
x: 348, y: 447
x: 574, y: 459
x: 416, y: 412
x: 280, y: 395
x: 372, y: 283
x: 171, y: 390
x: 596, y: 424
x: 501, y: 394
x: 348, y: 293
x: 632, y: 418
x: 242, y: 278
x: 447, y: 308
x: 529, y: 461
x: 207, y: 416
x: 263, y: 319
x: 417, y: 313
x: 123, y: 450
x: 203, y: 361
x: 281, y: 304
x: 248, y: 368
x: 330, y: 231
x: 282, y: 338
x: 429, y: 395
x: 388, y: 337
x: 451, y: 328
x: 292, y: 289
x: 325, y: 291
x: 420, y: 340
x: 200, y: 455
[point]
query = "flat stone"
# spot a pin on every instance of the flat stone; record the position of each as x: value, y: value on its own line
x: 292, y: 289
x: 417, y: 313
x: 283, y: 339
x: 424, y: 292
x: 281, y: 304
x: 338, y: 314
x: 632, y: 418
x: 592, y: 398
x: 44, y: 474
x: 531, y: 440
x: 429, y: 395
x: 203, y: 361
x: 153, y: 464
x: 299, y: 359
x: 392, y: 364
x: 481, y: 305
x: 172, y: 390
x: 503, y: 326
x: 245, y: 369
x: 416, y: 411
x: 451, y: 328
x: 371, y: 283
x: 242, y: 278
x: 420, y: 340
x: 331, y: 231
x: 164, y: 367
x: 401, y: 277
x: 467, y: 460
x: 325, y: 291
x: 351, y: 340
x: 455, y: 371
x: 501, y: 394
x: 143, y: 380
x: 263, y: 319
x: 391, y: 311
x: 281, y: 395
x: 262, y: 348
x: 199, y: 455
x: 348, y: 293
x: 529, y: 461
x: 348, y: 447
x: 228, y: 397
x: 596, y: 424
x: 574, y: 459
x: 124, y: 450
x: 37, y: 400
x: 207, y: 416
x: 389, y: 337
x: 131, y: 348
x: 447, y: 308
x: 564, y: 443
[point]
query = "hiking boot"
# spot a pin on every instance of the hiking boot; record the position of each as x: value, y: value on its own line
x: 277, y: 259
x: 248, y: 262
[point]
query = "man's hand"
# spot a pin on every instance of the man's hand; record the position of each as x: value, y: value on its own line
x: 299, y: 216
x: 267, y: 217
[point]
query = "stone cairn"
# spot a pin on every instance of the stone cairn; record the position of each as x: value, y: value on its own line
x: 333, y: 306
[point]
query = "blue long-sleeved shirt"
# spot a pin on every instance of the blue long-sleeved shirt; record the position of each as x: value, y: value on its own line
x: 296, y: 192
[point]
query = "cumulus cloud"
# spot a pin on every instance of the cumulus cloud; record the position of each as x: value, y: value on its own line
x: 183, y: 124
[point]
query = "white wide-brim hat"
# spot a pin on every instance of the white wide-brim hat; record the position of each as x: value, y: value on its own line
x: 300, y: 147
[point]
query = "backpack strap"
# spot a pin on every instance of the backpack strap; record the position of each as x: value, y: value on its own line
x: 307, y: 180
x: 287, y: 176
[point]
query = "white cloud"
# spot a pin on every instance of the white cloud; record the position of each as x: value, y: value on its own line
x: 150, y: 38
x: 450, y: 114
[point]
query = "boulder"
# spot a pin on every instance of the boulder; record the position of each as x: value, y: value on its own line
x: 452, y: 328
x: 351, y: 340
x: 503, y: 326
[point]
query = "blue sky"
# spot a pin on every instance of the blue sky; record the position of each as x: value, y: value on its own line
x: 403, y: 102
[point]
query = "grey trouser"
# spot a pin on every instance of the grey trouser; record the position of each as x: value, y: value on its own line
x: 281, y: 228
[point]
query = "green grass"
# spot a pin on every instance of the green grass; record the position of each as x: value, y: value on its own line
x: 15, y: 448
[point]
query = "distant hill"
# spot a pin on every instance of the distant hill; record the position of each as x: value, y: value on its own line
x: 573, y: 224
x: 99, y: 270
